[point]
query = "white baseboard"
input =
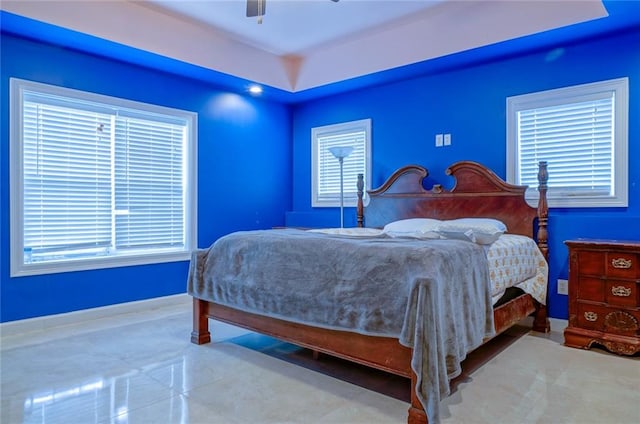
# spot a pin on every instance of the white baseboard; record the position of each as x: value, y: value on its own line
x: 13, y: 328
x: 558, y: 325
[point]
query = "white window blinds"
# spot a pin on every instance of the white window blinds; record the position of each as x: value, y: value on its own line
x: 576, y: 140
x: 326, y: 167
x: 149, y: 197
x: 67, y: 178
x: 581, y: 132
x: 329, y: 166
x: 98, y: 180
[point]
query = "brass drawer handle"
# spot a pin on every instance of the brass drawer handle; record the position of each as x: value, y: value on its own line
x: 591, y: 316
x: 621, y: 263
x: 621, y: 291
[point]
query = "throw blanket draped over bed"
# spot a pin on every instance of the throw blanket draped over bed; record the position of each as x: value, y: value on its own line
x: 434, y: 296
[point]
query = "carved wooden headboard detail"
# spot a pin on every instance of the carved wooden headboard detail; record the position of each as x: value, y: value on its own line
x: 478, y: 192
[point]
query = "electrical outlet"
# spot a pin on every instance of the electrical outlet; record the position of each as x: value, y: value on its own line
x: 447, y: 139
x: 439, y: 141
x: 563, y: 286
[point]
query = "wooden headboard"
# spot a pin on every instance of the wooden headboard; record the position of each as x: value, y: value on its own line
x: 478, y: 192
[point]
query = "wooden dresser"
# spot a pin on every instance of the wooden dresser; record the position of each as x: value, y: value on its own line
x: 604, y: 295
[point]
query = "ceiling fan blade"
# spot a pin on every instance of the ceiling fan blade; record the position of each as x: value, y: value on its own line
x: 256, y: 8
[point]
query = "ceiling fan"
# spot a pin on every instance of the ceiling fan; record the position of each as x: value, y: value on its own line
x: 257, y: 8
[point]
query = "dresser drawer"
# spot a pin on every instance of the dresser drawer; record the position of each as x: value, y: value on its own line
x: 591, y: 288
x: 623, y: 293
x: 591, y: 263
x: 623, y: 264
x: 610, y: 320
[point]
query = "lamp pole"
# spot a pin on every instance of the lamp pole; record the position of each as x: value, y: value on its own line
x: 341, y: 159
x: 341, y: 152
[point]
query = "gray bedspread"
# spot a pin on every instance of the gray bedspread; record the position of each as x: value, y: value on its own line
x: 434, y: 296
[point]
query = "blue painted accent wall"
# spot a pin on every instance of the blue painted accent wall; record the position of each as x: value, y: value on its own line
x: 244, y: 171
x: 469, y: 102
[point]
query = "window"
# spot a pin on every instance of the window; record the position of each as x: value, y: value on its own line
x: 581, y: 132
x: 326, y: 168
x: 98, y: 181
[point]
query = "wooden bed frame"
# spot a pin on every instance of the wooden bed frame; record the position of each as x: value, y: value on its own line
x: 477, y: 192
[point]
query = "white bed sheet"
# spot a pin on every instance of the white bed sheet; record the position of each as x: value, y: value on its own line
x: 517, y: 261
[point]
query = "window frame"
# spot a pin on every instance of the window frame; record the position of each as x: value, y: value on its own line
x: 333, y: 129
x: 17, y: 90
x: 568, y: 95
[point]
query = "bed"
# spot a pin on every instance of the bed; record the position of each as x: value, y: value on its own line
x: 405, y: 349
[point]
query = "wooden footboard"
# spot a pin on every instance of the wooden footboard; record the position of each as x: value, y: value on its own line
x: 383, y: 353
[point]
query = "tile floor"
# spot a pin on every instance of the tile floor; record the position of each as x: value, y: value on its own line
x: 141, y: 368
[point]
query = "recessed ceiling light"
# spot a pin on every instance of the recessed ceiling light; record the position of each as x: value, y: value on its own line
x: 255, y: 89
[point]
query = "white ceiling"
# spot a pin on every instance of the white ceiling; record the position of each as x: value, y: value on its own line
x: 304, y: 44
x: 296, y: 26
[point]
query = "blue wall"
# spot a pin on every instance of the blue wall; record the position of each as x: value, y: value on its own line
x: 470, y: 103
x: 244, y: 172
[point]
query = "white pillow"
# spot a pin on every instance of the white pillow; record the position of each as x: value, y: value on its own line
x: 421, y: 228
x: 477, y: 230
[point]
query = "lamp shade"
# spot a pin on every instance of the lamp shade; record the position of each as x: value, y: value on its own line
x: 341, y: 152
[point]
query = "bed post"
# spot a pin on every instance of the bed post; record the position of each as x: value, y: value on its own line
x: 417, y: 414
x: 541, y: 321
x: 200, y: 333
x: 360, y: 201
x: 543, y: 209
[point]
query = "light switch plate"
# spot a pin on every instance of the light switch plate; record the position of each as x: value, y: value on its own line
x: 563, y: 286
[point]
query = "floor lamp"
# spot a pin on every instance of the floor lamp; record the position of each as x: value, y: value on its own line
x: 341, y: 152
